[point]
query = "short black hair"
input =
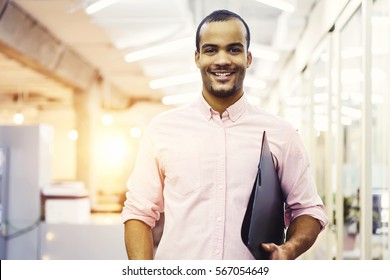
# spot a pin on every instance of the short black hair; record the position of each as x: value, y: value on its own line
x: 221, y: 15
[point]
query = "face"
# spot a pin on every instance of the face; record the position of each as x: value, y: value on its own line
x: 223, y: 58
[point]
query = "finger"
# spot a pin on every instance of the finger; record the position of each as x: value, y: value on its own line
x: 266, y: 247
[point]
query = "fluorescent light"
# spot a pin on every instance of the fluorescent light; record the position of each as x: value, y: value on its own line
x: 351, y: 112
x: 265, y: 53
x: 99, y: 5
x: 355, y: 75
x: 284, y: 5
x: 175, y: 80
x: 158, y: 50
x: 358, y: 52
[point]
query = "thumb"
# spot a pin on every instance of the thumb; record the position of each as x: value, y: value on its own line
x: 266, y: 247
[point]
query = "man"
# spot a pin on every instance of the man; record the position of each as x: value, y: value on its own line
x: 197, y: 163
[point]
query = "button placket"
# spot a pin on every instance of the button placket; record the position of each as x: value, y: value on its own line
x: 220, y: 194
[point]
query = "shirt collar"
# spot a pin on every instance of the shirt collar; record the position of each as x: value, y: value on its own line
x: 233, y: 112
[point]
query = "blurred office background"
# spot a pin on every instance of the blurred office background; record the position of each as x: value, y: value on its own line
x: 81, y: 79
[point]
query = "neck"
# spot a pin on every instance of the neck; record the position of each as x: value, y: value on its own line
x: 220, y: 104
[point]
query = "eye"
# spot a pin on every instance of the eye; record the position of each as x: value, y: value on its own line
x: 210, y: 51
x: 235, y: 50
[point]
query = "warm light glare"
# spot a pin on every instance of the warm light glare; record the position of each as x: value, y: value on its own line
x: 107, y: 221
x: 176, y: 99
x: 18, y: 118
x: 135, y: 132
x: 99, y: 5
x: 115, y: 150
x: 195, y: 77
x: 73, y: 135
x: 49, y: 236
x: 107, y: 119
x: 158, y: 50
x: 284, y: 5
x: 174, y: 80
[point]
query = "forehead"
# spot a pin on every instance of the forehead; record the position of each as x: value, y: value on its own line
x: 223, y: 33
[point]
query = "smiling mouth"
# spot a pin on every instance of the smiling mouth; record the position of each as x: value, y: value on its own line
x: 222, y: 74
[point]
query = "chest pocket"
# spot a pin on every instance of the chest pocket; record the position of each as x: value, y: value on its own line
x: 183, y: 170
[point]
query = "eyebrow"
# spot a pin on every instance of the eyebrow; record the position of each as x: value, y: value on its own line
x: 229, y: 45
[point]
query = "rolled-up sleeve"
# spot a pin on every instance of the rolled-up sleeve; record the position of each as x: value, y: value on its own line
x: 298, y: 184
x: 144, y: 198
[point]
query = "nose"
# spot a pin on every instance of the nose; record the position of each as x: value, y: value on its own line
x: 222, y: 58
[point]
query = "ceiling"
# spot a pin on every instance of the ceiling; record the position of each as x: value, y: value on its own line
x: 104, y: 38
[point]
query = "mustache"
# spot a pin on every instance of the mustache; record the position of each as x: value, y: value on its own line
x: 223, y: 69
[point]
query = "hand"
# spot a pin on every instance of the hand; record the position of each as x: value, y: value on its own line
x: 276, y: 252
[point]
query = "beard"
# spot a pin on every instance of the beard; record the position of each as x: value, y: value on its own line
x: 223, y: 93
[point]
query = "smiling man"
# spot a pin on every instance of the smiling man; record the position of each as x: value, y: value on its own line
x: 197, y: 164
x: 222, y: 57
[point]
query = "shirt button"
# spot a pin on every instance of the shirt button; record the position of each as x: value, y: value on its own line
x: 216, y: 252
x: 220, y: 187
x: 219, y: 219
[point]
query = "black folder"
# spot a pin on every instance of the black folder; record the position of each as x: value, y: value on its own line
x: 264, y: 217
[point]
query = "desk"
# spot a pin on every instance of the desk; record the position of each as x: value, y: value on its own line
x: 100, y: 239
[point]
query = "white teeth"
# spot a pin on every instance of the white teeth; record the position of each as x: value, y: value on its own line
x: 222, y: 74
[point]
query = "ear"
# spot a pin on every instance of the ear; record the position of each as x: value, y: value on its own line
x: 248, y: 59
x: 197, y: 56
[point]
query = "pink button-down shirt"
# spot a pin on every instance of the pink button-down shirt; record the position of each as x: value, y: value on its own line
x: 199, y: 169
